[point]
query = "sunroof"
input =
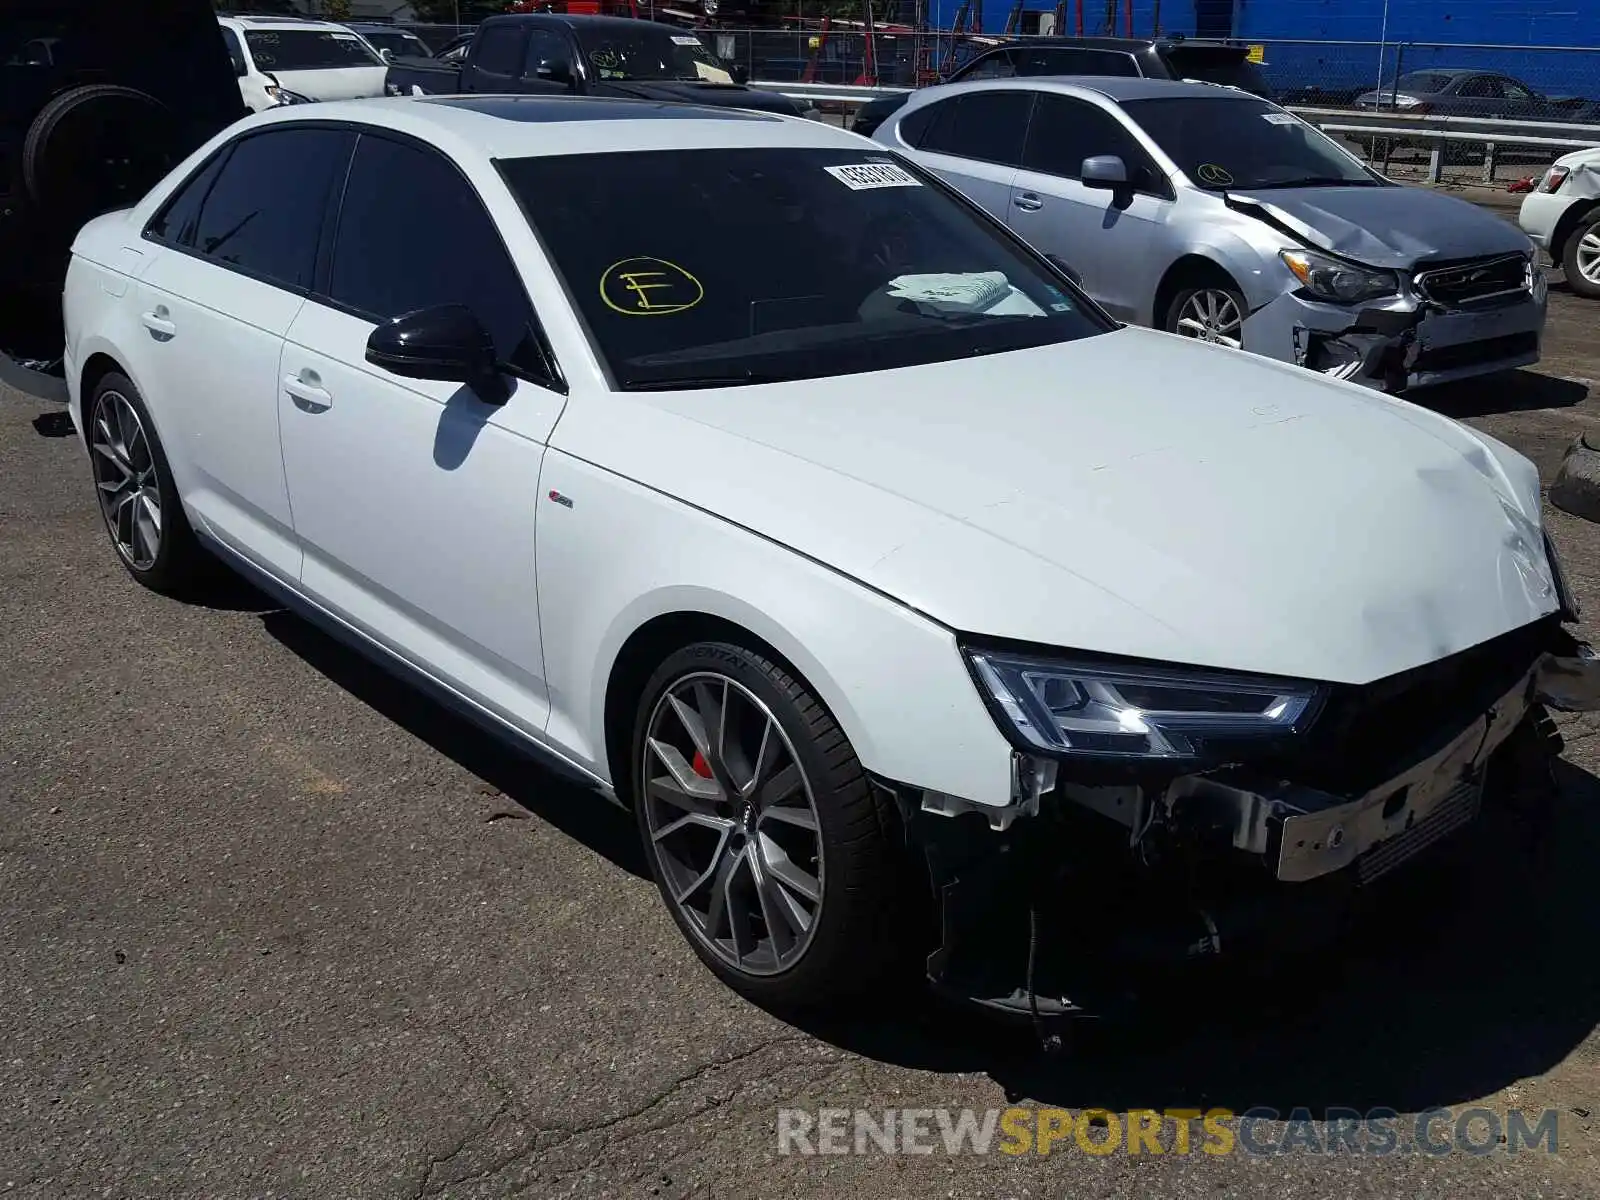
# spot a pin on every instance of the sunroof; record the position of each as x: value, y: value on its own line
x: 534, y: 109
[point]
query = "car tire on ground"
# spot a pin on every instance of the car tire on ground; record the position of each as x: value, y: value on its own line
x: 776, y: 857
x: 95, y: 148
x: 1208, y: 306
x: 138, y: 500
x: 1580, y: 255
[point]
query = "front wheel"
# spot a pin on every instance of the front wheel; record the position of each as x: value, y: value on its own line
x: 1580, y: 256
x: 1209, y: 312
x: 770, y: 847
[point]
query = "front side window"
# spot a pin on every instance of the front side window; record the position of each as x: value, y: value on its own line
x: 1064, y: 132
x: 547, y: 48
x: 413, y: 234
x: 992, y: 66
x: 1481, y: 86
x: 824, y: 262
x: 499, y: 50
x: 398, y: 42
x: 1233, y: 143
x: 308, y: 49
x: 985, y: 126
x: 235, y: 51
x: 263, y: 214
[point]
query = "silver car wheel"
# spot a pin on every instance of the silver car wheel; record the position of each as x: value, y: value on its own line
x: 127, y: 479
x: 1212, y: 316
x: 732, y: 822
x: 1589, y: 255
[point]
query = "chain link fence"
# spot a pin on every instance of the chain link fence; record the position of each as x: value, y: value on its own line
x: 1404, y: 81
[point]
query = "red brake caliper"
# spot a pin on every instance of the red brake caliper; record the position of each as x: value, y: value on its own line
x: 701, y: 767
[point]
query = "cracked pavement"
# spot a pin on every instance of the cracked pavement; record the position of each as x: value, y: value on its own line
x: 271, y: 926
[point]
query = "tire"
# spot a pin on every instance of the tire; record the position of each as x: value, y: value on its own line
x: 127, y: 478
x: 1585, y: 278
x: 1207, y: 290
x: 95, y: 148
x: 867, y: 914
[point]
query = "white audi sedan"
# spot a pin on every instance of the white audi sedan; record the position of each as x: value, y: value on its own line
x: 747, y: 472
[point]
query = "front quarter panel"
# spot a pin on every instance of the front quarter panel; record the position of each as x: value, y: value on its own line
x: 614, y: 554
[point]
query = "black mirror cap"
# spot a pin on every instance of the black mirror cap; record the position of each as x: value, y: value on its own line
x: 446, y: 342
x: 739, y: 73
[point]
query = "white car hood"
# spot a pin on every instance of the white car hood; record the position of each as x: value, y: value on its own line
x: 335, y: 83
x: 1134, y: 493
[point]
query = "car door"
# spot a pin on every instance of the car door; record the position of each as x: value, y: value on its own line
x: 1521, y: 103
x: 495, y: 59
x: 1110, y: 240
x: 414, y: 500
x: 973, y: 141
x: 230, y: 260
x: 1478, y: 96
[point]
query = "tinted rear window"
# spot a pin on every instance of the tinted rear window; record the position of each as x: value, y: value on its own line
x: 1226, y: 65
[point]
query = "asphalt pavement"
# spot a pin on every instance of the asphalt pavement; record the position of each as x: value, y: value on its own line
x: 270, y: 926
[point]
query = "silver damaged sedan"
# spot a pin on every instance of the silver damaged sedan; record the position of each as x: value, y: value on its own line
x: 1209, y: 212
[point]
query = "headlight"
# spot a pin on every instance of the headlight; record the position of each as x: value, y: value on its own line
x: 1569, y: 603
x: 1334, y: 279
x: 1137, y: 712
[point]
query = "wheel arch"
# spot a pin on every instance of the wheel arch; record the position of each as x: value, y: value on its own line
x: 653, y: 639
x: 1575, y: 213
x: 1189, y: 269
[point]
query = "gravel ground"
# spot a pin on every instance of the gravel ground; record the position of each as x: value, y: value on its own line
x: 271, y: 927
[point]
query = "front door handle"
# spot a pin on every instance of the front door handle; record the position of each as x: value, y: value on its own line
x: 1028, y: 202
x: 308, y: 393
x: 159, y: 321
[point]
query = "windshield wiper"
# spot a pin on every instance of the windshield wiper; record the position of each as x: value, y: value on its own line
x: 1312, y: 181
x: 688, y: 382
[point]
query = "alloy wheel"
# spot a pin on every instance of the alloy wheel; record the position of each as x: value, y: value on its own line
x: 1212, y: 316
x: 1589, y: 255
x: 126, y: 477
x: 732, y: 822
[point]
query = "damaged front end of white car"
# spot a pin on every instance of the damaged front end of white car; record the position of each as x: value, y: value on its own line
x: 1164, y: 817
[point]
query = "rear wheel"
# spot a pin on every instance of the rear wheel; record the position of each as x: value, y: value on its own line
x: 95, y: 148
x: 138, y: 500
x: 771, y: 849
x: 1580, y: 256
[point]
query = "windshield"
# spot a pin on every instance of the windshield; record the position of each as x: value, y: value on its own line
x: 307, y: 49
x: 624, y: 52
x: 1421, y: 81
x: 705, y: 268
x: 1216, y: 64
x: 398, y: 42
x: 1234, y: 143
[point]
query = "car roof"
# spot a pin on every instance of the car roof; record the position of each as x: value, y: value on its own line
x: 246, y: 21
x: 1119, y: 88
x: 581, y: 21
x: 1120, y: 43
x: 493, y: 126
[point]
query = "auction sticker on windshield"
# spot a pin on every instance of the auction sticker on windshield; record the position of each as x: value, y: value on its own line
x: 860, y: 177
x: 680, y: 40
x: 1272, y: 118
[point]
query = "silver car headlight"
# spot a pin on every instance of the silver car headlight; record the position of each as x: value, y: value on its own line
x: 1143, y: 712
x: 1335, y: 279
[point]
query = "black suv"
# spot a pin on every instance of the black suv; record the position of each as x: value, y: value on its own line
x: 98, y: 99
x: 1155, y: 58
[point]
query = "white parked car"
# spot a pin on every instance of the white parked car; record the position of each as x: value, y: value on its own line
x: 282, y: 60
x: 853, y: 546
x: 1562, y: 215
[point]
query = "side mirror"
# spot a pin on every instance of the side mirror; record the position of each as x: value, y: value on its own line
x: 1104, y: 171
x: 554, y: 71
x: 386, y: 55
x: 446, y: 342
x: 1065, y: 268
x: 739, y: 73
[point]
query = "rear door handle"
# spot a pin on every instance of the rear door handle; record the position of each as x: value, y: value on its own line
x: 1028, y: 202
x: 308, y: 392
x: 158, y: 321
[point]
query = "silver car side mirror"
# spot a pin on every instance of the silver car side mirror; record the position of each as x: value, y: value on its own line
x: 1104, y: 171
